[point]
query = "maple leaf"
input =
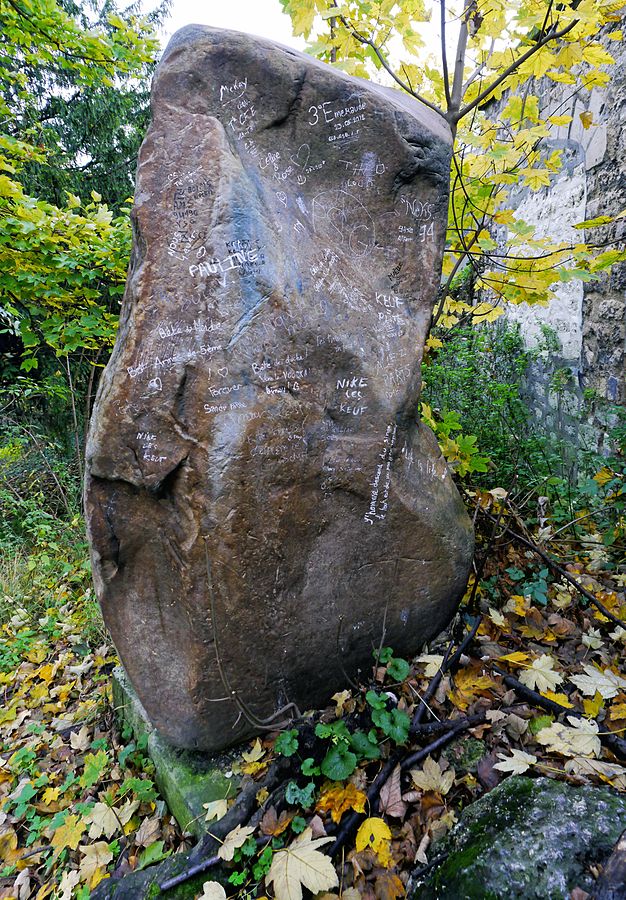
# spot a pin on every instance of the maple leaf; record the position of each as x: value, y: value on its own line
x: 388, y: 886
x: 212, y: 890
x: 148, y: 832
x: 68, y: 834
x: 516, y: 763
x: 102, y: 820
x: 9, y: 854
x: 273, y: 825
x: 391, y: 802
x: 609, y: 772
x: 338, y: 798
x: 93, y: 866
x: 302, y: 865
x: 433, y: 663
x: 541, y: 675
x: 255, y: 754
x: 80, y: 740
x: 233, y: 840
x: 216, y: 809
x: 606, y: 683
x: 432, y: 777
x: 467, y: 683
x: 581, y: 739
x: 68, y: 883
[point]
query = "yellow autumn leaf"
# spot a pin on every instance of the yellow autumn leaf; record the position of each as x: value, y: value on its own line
x: 51, y: 795
x: 592, y: 707
x: 337, y: 798
x: 376, y: 834
x: 68, y: 834
x: 559, y: 120
x: 96, y: 858
x: 562, y: 699
x: 9, y: 854
x: 37, y: 653
x: 516, y: 658
x: 255, y: 754
x: 587, y: 119
x: 467, y: 684
x: 302, y: 865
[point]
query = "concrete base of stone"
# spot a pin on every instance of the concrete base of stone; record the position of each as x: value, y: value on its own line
x: 186, y: 780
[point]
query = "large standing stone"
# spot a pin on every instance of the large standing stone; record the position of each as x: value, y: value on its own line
x: 255, y: 429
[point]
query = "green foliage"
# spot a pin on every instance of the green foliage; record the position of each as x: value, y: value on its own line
x: 339, y: 763
x: 300, y: 796
x: 286, y: 743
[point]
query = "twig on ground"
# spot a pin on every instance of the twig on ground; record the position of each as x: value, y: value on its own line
x: 615, y: 744
x: 549, y: 561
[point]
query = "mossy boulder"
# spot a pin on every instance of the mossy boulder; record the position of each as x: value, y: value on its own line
x: 528, y: 839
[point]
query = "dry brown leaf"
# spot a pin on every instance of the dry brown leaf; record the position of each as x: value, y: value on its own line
x: 390, y: 797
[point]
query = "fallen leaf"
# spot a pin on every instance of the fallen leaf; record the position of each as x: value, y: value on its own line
x: 93, y: 865
x: 467, y: 684
x: 515, y: 726
x: 541, y: 675
x: 102, y: 821
x: 80, y: 740
x: 581, y: 739
x: 215, y: 810
x: 375, y: 833
x: 606, y: 683
x: 388, y: 886
x: 390, y: 797
x: 68, y: 834
x: 255, y: 754
x: 233, y: 840
x: 337, y: 798
x: 433, y: 664
x: 341, y: 698
x: 609, y: 772
x: 148, y: 832
x: 432, y: 777
x: 69, y: 881
x: 212, y: 890
x: 272, y: 824
x: 517, y: 762
x: 302, y: 865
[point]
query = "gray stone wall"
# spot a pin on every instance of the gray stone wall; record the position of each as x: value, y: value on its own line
x: 588, y: 319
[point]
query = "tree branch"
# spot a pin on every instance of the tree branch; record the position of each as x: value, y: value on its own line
x: 366, y: 41
x: 554, y: 36
x: 444, y: 54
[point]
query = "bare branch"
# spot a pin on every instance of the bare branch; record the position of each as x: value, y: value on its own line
x: 366, y: 41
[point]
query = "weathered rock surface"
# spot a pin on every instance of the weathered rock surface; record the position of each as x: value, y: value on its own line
x: 528, y: 839
x: 255, y: 427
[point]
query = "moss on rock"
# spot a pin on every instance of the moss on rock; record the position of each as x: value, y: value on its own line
x: 528, y: 839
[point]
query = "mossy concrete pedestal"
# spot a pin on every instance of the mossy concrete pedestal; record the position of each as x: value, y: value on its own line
x: 186, y: 780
